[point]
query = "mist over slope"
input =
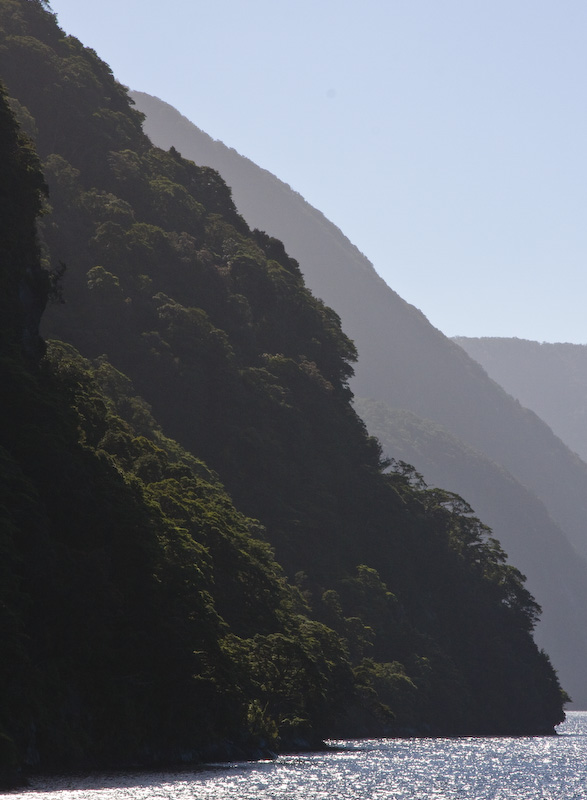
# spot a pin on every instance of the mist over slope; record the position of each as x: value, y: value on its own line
x: 549, y: 378
x: 408, y: 364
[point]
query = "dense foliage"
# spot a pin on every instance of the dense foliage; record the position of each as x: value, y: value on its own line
x: 147, y: 619
x: 479, y: 442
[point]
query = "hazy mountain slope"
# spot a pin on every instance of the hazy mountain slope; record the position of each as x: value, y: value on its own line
x: 407, y: 363
x: 551, y: 379
x: 528, y: 534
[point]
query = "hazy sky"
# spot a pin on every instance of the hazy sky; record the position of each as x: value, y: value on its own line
x: 446, y: 138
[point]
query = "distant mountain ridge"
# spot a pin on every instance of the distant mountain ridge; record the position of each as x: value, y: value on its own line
x: 405, y: 363
x: 549, y: 378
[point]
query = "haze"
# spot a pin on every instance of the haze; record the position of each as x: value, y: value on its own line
x: 445, y: 140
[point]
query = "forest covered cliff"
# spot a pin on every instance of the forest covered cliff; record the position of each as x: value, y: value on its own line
x: 432, y: 405
x: 203, y: 555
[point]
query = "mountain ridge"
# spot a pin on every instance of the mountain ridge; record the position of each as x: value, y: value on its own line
x: 533, y: 539
x: 258, y: 580
x: 403, y: 360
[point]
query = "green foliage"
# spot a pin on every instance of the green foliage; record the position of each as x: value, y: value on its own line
x: 152, y: 612
x: 385, y: 686
x: 162, y: 573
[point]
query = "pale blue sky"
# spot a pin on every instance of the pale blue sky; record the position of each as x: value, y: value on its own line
x: 446, y: 138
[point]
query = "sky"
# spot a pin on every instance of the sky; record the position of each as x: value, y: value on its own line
x: 446, y: 138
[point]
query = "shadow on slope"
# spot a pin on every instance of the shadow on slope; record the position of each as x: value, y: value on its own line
x: 556, y: 575
x: 409, y: 364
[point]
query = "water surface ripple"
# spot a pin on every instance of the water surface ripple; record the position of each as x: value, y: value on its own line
x: 475, y: 768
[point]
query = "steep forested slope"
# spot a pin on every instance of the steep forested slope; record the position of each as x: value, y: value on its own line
x: 147, y: 616
x: 404, y: 361
x: 526, y: 529
x: 407, y: 364
x: 139, y: 611
x: 550, y: 379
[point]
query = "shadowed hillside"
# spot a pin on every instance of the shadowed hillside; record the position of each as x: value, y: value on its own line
x: 203, y: 554
x: 408, y: 364
x: 525, y: 527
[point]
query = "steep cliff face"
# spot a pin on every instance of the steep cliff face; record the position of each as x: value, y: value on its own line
x: 138, y: 608
x: 403, y: 360
x: 148, y: 613
x: 555, y: 574
x: 407, y: 364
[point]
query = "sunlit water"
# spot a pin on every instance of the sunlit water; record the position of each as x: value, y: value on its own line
x: 538, y: 768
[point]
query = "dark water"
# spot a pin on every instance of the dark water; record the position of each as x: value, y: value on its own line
x: 543, y: 768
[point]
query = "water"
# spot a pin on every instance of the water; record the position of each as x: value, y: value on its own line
x: 538, y: 768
